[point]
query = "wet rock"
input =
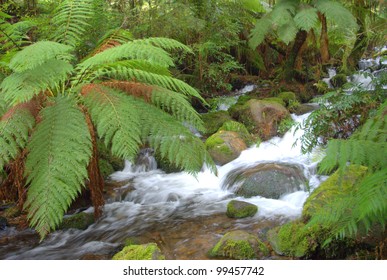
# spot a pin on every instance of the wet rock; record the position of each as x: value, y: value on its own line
x: 239, y: 245
x: 78, y: 221
x: 270, y: 180
x: 339, y: 80
x: 239, y: 128
x: 225, y: 146
x: 214, y: 120
x: 331, y: 188
x: 240, y: 209
x: 148, y: 251
x: 260, y: 117
x: 306, y: 108
x: 3, y: 223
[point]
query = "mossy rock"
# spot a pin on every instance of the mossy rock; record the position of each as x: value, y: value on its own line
x: 214, y: 120
x: 78, y: 221
x: 225, y: 146
x: 239, y: 245
x: 276, y: 100
x: 261, y: 117
x: 105, y: 167
x: 105, y: 155
x: 148, y: 251
x: 337, y: 184
x: 240, y: 209
x: 306, y: 108
x: 239, y: 128
x: 339, y: 80
x: 294, y: 239
x: 287, y: 97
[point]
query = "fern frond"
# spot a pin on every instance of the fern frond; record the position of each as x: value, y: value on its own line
x: 14, y: 35
x: 14, y: 130
x: 111, y: 39
x: 116, y: 119
x: 337, y: 13
x: 260, y: 30
x: 56, y: 166
x: 125, y: 73
x: 172, y: 139
x: 131, y: 50
x: 37, y: 54
x: 306, y: 18
x: 71, y: 21
x: 165, y: 43
x: 287, y: 32
x: 253, y: 5
x: 22, y: 86
x: 284, y: 11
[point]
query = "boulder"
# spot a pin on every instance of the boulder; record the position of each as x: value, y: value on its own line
x: 270, y: 180
x: 239, y: 128
x: 240, y: 209
x: 78, y: 221
x: 239, y: 245
x: 260, y: 117
x: 306, y: 108
x: 148, y: 251
x: 336, y: 184
x: 225, y: 146
x: 214, y: 120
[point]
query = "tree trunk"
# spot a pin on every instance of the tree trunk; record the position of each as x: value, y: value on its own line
x: 324, y: 42
x: 294, y: 55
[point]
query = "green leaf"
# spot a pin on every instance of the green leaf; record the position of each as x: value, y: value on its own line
x: 56, y: 166
x: 287, y: 32
x: 306, y: 19
x: 337, y: 13
x: 257, y: 35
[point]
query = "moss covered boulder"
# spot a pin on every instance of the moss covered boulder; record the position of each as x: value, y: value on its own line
x: 270, y: 180
x: 78, y: 221
x: 225, y: 146
x: 339, y: 80
x: 238, y: 127
x: 239, y: 245
x: 288, y: 97
x: 294, y: 239
x: 337, y: 184
x: 260, y: 117
x: 148, y: 251
x: 240, y: 209
x: 214, y: 120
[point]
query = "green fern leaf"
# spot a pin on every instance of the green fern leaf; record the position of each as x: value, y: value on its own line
x: 253, y: 5
x: 337, y: 13
x: 172, y: 139
x: 165, y: 43
x: 306, y: 19
x: 126, y: 73
x: 71, y: 21
x: 14, y: 130
x: 131, y: 50
x: 287, y: 32
x: 56, y: 166
x: 262, y: 27
x: 37, y: 54
x: 116, y: 119
x: 22, y: 86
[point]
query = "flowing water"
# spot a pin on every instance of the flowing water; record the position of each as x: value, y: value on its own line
x: 184, y: 214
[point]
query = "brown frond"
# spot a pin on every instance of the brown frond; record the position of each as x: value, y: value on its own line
x: 96, y: 182
x: 86, y: 89
x: 12, y: 189
x: 135, y: 89
x: 32, y: 106
x: 108, y: 44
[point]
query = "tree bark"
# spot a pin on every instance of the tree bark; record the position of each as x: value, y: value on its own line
x: 295, y: 54
x: 324, y: 42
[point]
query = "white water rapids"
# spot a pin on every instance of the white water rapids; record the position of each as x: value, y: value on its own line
x: 159, y: 197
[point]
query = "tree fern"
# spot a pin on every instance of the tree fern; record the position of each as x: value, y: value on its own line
x: 56, y: 166
x: 71, y: 21
x: 336, y: 12
x: 287, y: 32
x: 116, y: 120
x: 306, y: 18
x: 260, y: 30
x: 14, y: 131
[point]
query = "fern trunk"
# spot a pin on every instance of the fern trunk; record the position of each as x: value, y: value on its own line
x: 295, y: 54
x: 324, y: 42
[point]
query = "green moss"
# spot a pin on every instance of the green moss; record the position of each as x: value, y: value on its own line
x: 276, y: 100
x: 336, y: 184
x: 240, y: 209
x: 239, y: 128
x: 214, y: 120
x: 287, y: 97
x: 321, y: 87
x: 104, y: 154
x: 239, y: 245
x: 79, y: 221
x: 148, y: 251
x: 105, y: 167
x: 339, y: 80
x: 214, y: 141
x: 295, y: 239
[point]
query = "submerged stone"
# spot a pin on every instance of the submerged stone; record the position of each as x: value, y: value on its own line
x: 239, y: 245
x: 270, y: 180
x: 240, y: 209
x: 78, y: 221
x: 148, y: 251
